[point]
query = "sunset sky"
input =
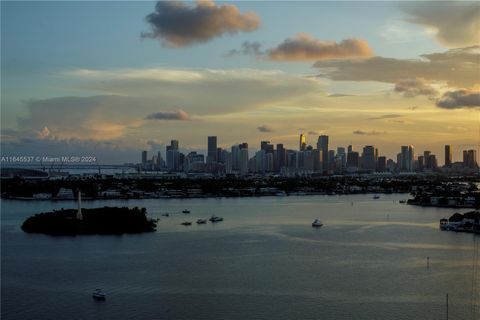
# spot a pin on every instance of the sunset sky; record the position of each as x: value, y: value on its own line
x: 113, y: 78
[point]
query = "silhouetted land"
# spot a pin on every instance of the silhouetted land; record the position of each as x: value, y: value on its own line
x: 93, y: 188
x: 106, y: 220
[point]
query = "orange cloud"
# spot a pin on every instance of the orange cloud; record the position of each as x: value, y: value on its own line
x: 303, y: 47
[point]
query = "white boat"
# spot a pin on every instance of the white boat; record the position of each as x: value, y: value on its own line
x: 317, y: 223
x: 98, y: 294
x: 214, y: 218
x: 201, y: 221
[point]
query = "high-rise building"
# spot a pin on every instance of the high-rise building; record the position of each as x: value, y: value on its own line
x: 220, y: 155
x: 381, y: 164
x: 159, y: 162
x: 353, y: 159
x: 302, y: 143
x: 144, y: 157
x: 212, y: 149
x: 432, y: 162
x: 342, y: 155
x: 266, y: 146
x: 331, y: 159
x: 407, y: 157
x: 243, y: 162
x: 322, y: 144
x: 291, y: 159
x: 448, y: 155
x: 281, y: 157
x: 260, y: 165
x: 173, y: 156
x: 421, y: 163
x: 235, y: 157
x: 470, y: 158
x: 426, y: 155
x: 308, y: 163
x: 368, y: 158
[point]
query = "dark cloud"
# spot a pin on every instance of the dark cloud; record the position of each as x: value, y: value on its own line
x: 247, y: 48
x: 369, y: 133
x: 457, y: 67
x: 414, y: 87
x: 460, y: 99
x: 455, y: 23
x: 386, y: 116
x: 180, y: 25
x: 265, y: 128
x: 303, y: 47
x: 169, y: 115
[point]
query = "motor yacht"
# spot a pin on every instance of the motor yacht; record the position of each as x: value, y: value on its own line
x: 317, y: 223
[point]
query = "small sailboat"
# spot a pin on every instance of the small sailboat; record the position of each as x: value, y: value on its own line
x: 376, y: 197
x: 201, y: 221
x: 186, y: 223
x: 186, y: 211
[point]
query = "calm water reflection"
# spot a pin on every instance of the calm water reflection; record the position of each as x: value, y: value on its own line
x: 264, y: 261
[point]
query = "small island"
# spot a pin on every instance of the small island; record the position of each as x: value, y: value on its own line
x: 467, y: 222
x: 102, y: 221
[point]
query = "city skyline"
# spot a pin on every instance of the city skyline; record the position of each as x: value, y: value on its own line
x: 387, y: 74
x: 306, y: 159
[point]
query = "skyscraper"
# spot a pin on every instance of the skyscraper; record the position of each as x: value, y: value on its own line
x: 322, y: 145
x: 173, y: 156
x: 281, y: 157
x: 243, y: 162
x: 144, y: 158
x: 368, y: 158
x: 352, y: 159
x: 448, y: 155
x: 212, y: 149
x: 302, y: 143
x: 381, y: 164
x: 235, y: 157
x: 407, y: 157
x: 174, y: 144
x: 470, y: 158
